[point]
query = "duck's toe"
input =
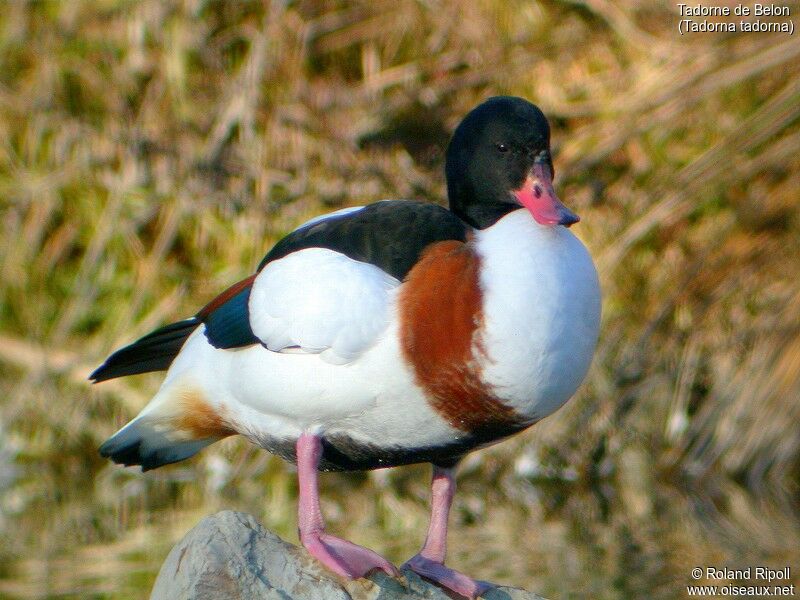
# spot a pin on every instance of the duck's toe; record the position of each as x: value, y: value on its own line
x: 346, y: 558
x: 447, y: 578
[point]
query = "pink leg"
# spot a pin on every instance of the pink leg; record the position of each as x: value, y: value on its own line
x: 340, y: 556
x: 430, y: 561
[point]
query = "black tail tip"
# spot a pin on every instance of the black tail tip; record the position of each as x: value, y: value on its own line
x: 128, y: 455
x: 139, y: 443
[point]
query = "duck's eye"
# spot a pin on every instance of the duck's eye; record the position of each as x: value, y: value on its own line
x: 501, y: 147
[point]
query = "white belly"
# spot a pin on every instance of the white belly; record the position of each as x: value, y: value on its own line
x: 266, y: 394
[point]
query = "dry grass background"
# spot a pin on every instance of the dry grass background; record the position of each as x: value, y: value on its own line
x: 151, y: 152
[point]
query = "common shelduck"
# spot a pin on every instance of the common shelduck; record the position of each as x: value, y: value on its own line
x: 395, y: 333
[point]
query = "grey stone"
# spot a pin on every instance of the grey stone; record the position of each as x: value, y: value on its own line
x: 231, y: 556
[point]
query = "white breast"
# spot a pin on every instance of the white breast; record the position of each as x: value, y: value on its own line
x: 541, y: 312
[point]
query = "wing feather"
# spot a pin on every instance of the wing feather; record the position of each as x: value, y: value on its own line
x: 322, y: 302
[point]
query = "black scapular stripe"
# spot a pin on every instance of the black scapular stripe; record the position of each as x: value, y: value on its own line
x: 390, y: 235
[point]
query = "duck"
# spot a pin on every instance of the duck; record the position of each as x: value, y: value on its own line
x: 395, y: 333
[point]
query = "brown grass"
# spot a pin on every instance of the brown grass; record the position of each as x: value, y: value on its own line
x: 151, y: 152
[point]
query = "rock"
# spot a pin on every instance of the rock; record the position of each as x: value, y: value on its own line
x: 231, y: 556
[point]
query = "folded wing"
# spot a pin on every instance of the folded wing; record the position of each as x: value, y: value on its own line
x: 325, y: 288
x: 317, y: 300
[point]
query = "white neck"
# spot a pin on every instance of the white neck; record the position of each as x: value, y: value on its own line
x: 541, y: 308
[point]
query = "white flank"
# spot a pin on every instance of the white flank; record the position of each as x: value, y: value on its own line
x: 273, y: 394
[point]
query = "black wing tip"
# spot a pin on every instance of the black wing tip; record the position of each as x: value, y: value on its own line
x: 97, y: 375
x: 112, y: 369
x: 153, y: 352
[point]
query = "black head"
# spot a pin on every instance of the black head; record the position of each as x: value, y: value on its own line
x: 499, y: 161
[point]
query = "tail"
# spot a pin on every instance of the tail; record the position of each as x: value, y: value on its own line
x: 154, y: 352
x: 140, y: 442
